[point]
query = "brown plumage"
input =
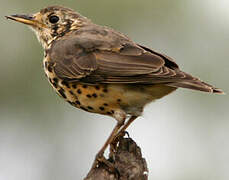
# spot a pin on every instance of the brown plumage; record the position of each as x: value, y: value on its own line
x: 101, y: 70
x: 97, y: 54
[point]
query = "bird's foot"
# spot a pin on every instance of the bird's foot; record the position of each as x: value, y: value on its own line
x: 100, y: 160
x: 115, y: 142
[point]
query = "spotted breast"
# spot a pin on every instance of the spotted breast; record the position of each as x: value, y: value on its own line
x: 105, y: 98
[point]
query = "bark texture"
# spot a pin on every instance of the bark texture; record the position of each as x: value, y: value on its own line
x: 126, y: 161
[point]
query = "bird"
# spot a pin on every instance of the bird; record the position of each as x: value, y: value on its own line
x: 100, y: 70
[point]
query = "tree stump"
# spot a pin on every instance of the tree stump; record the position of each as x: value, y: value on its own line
x: 127, y: 161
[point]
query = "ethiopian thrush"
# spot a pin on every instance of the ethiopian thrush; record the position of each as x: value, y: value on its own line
x: 100, y: 70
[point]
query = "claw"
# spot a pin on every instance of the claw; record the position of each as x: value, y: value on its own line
x: 114, y: 143
x: 98, y: 159
x: 101, y: 160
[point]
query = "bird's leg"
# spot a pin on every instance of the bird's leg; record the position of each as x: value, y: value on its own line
x: 126, y: 125
x: 120, y: 116
x: 121, y: 133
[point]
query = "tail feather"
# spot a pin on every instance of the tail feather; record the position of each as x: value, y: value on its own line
x: 196, y: 84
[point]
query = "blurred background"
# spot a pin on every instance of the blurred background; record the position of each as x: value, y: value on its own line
x: 183, y: 136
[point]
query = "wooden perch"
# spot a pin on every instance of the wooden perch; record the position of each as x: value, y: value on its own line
x: 127, y: 161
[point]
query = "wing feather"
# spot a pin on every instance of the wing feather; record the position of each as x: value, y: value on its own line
x: 104, y: 56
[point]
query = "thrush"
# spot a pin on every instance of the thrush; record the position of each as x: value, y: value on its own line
x: 100, y: 70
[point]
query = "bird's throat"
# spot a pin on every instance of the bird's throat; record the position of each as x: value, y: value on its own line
x: 43, y: 36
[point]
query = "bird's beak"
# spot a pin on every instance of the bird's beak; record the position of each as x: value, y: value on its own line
x: 32, y: 20
x: 26, y: 19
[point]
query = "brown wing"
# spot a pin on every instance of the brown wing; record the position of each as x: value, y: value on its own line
x: 144, y: 68
x: 100, y: 55
x: 70, y: 61
x: 128, y: 64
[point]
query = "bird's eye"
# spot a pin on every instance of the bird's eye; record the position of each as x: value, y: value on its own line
x: 53, y: 19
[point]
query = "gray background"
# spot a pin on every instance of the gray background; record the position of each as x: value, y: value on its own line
x: 183, y: 136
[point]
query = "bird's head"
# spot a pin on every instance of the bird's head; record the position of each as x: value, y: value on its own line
x: 51, y: 22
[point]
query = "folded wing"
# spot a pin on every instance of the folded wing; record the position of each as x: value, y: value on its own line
x: 89, y: 60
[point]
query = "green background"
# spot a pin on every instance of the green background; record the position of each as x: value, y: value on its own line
x: 183, y: 136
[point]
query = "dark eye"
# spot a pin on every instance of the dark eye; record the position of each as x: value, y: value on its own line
x: 53, y: 19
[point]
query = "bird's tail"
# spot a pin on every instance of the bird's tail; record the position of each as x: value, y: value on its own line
x: 196, y: 84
